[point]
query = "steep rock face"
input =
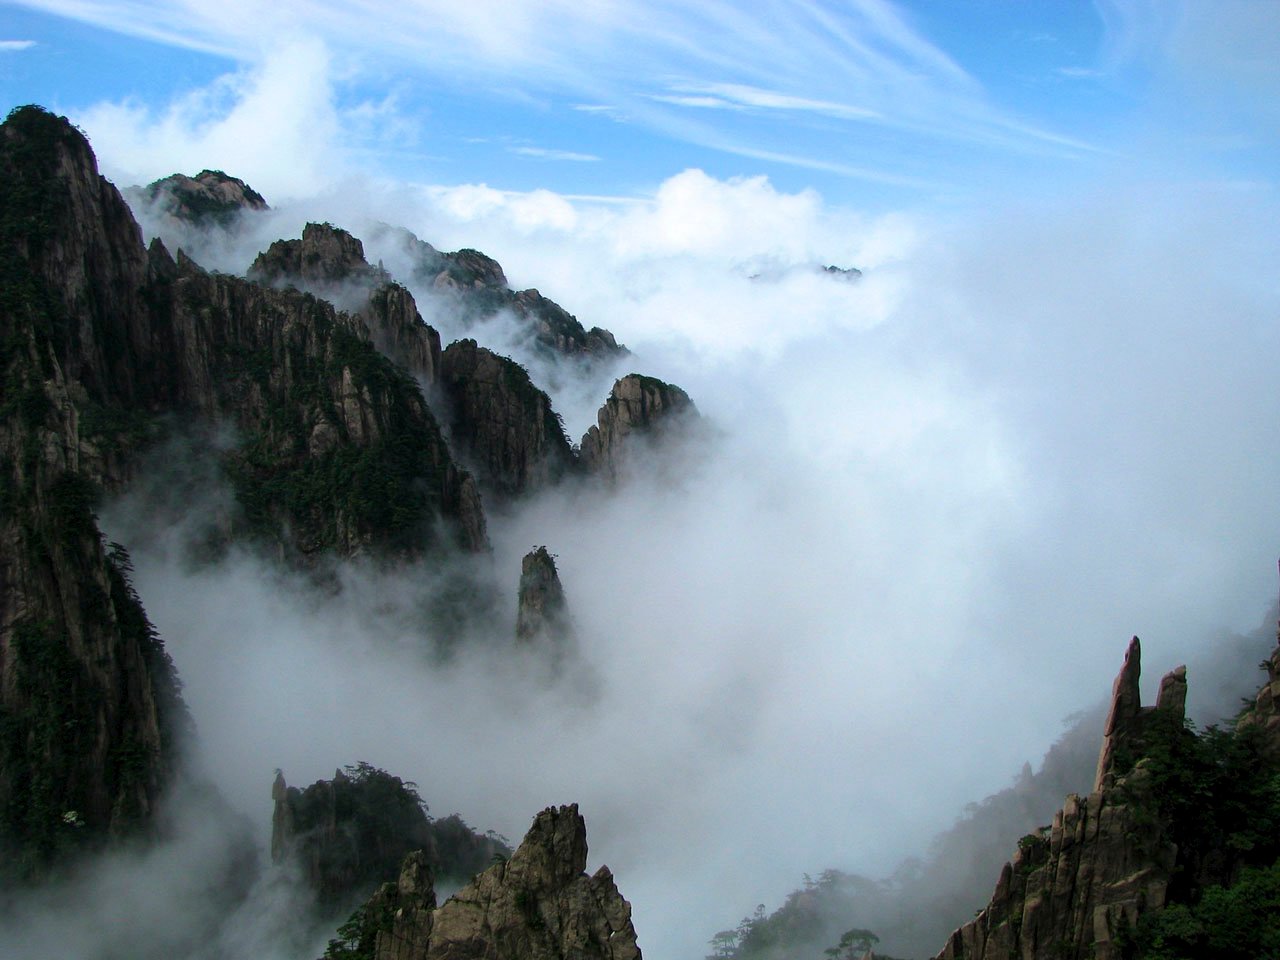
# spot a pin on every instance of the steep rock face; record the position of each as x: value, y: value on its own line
x: 538, y: 905
x: 340, y: 450
x: 542, y: 612
x: 401, y: 914
x: 90, y: 715
x: 639, y: 408
x: 478, y: 288
x: 501, y: 422
x: 210, y: 197
x: 350, y: 834
x: 330, y: 263
x: 1265, y: 715
x: 324, y: 257
x: 555, y: 327
x: 1072, y: 888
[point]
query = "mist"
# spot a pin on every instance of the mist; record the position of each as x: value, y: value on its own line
x: 934, y: 505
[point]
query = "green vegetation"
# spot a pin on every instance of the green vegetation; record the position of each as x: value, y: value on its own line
x: 386, y: 490
x: 1239, y: 922
x: 1219, y: 794
x: 357, y: 938
x: 809, y: 918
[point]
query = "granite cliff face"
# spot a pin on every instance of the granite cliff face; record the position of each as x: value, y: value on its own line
x: 639, y: 410
x: 330, y: 263
x: 1171, y: 815
x: 501, y: 423
x: 538, y: 905
x: 90, y: 714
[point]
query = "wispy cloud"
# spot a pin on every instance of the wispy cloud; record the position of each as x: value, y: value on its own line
x: 789, y: 68
x: 698, y: 102
x: 738, y: 95
x: 1079, y: 73
x: 544, y: 153
x: 12, y: 46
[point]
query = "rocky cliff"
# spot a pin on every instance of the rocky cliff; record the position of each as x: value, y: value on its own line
x: 542, y: 613
x: 639, y: 411
x: 90, y: 716
x: 501, y: 423
x: 210, y: 197
x: 330, y: 263
x: 477, y: 287
x: 1172, y: 816
x: 102, y: 343
x: 538, y: 905
x: 349, y: 834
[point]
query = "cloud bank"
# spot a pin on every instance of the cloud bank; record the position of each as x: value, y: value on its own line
x: 941, y: 499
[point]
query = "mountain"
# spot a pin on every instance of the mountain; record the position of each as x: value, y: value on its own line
x: 91, y: 719
x: 640, y: 412
x: 321, y: 419
x: 477, y: 288
x: 210, y: 197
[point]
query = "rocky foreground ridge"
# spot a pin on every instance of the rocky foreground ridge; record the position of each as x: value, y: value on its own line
x: 538, y: 905
x: 1174, y: 821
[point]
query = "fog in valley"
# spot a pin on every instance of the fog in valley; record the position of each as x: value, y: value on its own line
x: 931, y: 507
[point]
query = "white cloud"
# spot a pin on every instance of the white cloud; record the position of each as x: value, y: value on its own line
x: 943, y: 496
x: 544, y: 153
x: 14, y: 46
x: 275, y: 125
x: 749, y: 96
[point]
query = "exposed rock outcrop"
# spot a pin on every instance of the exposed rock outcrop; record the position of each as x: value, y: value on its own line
x: 210, y: 197
x: 542, y: 613
x: 330, y: 263
x: 478, y: 288
x: 361, y: 466
x: 640, y: 410
x: 538, y: 905
x: 325, y: 257
x: 1124, y: 736
x: 501, y: 423
x: 1265, y: 714
x: 349, y: 834
x: 1072, y: 888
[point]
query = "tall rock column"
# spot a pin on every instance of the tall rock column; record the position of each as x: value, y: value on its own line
x: 1104, y: 862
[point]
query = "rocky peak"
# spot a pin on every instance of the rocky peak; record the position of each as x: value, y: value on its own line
x: 210, y: 197
x: 1073, y: 887
x: 638, y: 409
x: 557, y: 329
x: 501, y: 423
x: 330, y: 263
x: 543, y: 613
x: 478, y: 287
x: 1124, y: 735
x: 324, y: 257
x: 538, y: 905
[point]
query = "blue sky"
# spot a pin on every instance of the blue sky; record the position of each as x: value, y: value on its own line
x: 919, y: 104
